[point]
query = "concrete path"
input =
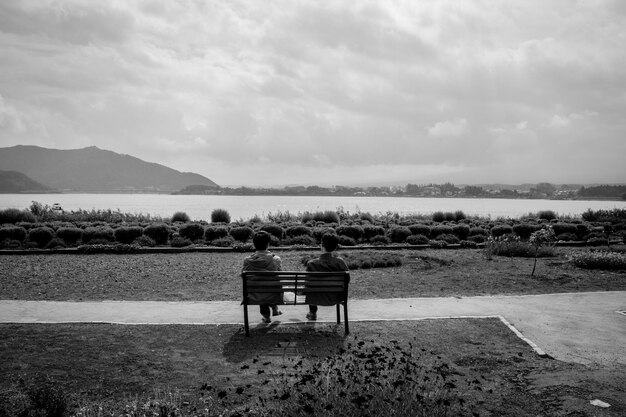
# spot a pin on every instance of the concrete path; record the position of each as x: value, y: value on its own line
x: 586, y: 328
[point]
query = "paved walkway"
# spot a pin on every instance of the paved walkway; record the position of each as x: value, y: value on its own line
x: 586, y: 328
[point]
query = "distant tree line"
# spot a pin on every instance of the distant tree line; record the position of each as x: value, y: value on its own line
x: 605, y: 191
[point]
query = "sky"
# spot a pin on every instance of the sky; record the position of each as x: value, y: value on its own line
x: 286, y: 92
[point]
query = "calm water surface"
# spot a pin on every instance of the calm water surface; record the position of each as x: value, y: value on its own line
x: 199, y: 207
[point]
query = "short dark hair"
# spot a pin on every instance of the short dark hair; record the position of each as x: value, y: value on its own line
x: 330, y: 241
x: 261, y: 240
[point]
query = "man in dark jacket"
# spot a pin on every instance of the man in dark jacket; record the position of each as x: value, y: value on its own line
x: 327, y: 262
x: 264, y: 260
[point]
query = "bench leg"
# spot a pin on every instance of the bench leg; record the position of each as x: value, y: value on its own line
x: 338, y: 316
x: 245, y: 320
x: 345, y: 316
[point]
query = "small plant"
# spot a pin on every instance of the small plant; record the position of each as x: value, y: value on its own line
x: 547, y: 215
x: 380, y: 241
x: 398, y: 234
x: 223, y: 242
x: 539, y: 239
x: 70, y: 235
x: 437, y: 244
x: 370, y: 232
x: 242, y: 233
x: 144, y: 241
x: 501, y: 230
x: 180, y: 216
x: 595, y: 259
x: 220, y: 216
x: 180, y: 242
x: 461, y: 231
x: 294, y: 231
x: 417, y: 240
x: 439, y: 216
x: 215, y: 232
x: 346, y: 241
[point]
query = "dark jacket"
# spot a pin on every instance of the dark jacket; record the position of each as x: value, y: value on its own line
x: 327, y: 262
x: 263, y: 261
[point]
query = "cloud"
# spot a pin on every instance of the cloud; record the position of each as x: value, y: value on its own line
x: 266, y: 87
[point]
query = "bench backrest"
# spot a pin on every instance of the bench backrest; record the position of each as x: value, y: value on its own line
x: 314, y: 285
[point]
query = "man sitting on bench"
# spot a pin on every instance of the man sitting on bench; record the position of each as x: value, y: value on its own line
x: 327, y: 262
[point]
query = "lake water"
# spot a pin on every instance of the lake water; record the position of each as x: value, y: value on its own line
x: 199, y: 207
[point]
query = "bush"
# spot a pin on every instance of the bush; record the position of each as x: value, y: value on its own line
x: 294, y: 231
x: 582, y: 230
x: 242, y: 233
x: 461, y: 231
x: 511, y: 246
x: 449, y: 239
x: 327, y: 216
x: 478, y: 231
x: 220, y: 216
x: 10, y: 244
x: 346, y: 241
x: 70, y: 235
x: 606, y: 260
x: 380, y: 240
x: 477, y: 238
x: 159, y: 232
x: 468, y: 244
x: 127, y: 235
x: 420, y: 229
x: 274, y: 230
x: 191, y: 231
x: 41, y: 236
x: 566, y: 237
x: 439, y: 216
x: 144, y: 241
x: 223, y: 242
x: 501, y: 230
x: 398, y: 234
x: 369, y: 232
x: 560, y: 228
x: 300, y: 240
x: 355, y: 231
x: 524, y: 230
x: 215, y: 232
x: 101, y: 233
x: 417, y: 240
x: 437, y: 244
x: 180, y: 216
x: 459, y: 215
x: 367, y: 217
x: 13, y: 233
x: 55, y: 243
x: 180, y: 242
x: 440, y: 230
x: 547, y: 215
x: 13, y: 215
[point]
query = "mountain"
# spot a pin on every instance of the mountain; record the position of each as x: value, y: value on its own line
x: 16, y: 182
x: 95, y: 170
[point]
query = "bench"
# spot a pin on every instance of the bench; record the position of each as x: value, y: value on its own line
x: 296, y: 288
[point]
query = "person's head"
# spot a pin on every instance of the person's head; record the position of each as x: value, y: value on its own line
x: 330, y: 241
x: 261, y: 240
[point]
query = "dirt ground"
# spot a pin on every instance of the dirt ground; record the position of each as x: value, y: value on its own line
x: 215, y: 276
x: 101, y: 362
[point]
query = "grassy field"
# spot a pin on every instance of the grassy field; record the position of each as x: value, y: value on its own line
x: 212, y: 367
x: 215, y: 276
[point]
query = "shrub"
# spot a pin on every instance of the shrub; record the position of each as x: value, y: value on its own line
x: 478, y: 231
x: 380, y: 240
x: 41, y: 236
x: 449, y: 239
x: 118, y: 248
x: 346, y: 241
x: 449, y: 216
x: 582, y: 230
x: 501, y: 230
x: 318, y: 232
x: 223, y: 242
x: 440, y: 230
x: 366, y: 217
x: 369, y: 232
x: 468, y: 244
x: 417, y: 240
x: 524, y: 230
x: 596, y: 241
x: 144, y: 241
x: 438, y: 216
x: 241, y: 233
x: 560, y: 228
x: 13, y: 233
x: 274, y: 230
x: 127, y: 235
x: 70, y: 235
x: 327, y: 216
x: 437, y: 244
x: 220, y: 216
x: 355, y: 231
x: 215, y: 232
x: 547, y: 215
x: 398, y: 234
x: 10, y: 244
x: 13, y: 215
x: 180, y: 216
x: 477, y: 238
x: 459, y: 215
x: 420, y: 229
x: 191, y: 231
x: 300, y: 240
x: 566, y: 237
x: 294, y: 231
x: 607, y: 260
x: 461, y: 231
x: 55, y: 243
x: 159, y: 232
x: 180, y: 242
x: 102, y: 233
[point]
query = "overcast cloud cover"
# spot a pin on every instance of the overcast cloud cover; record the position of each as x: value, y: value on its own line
x: 329, y: 92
